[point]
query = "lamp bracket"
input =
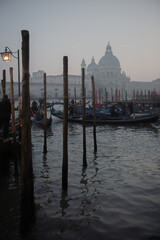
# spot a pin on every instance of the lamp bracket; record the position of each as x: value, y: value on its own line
x: 7, y: 49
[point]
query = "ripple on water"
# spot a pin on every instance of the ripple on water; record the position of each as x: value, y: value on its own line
x: 115, y: 197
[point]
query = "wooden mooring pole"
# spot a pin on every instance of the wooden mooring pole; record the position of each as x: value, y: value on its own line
x: 75, y: 100
x: 27, y: 188
x: 19, y: 90
x: 94, y: 115
x: 75, y: 97
x: 12, y: 108
x: 4, y: 82
x: 84, y: 120
x: 65, y: 125
x: 45, y: 117
x: 106, y: 96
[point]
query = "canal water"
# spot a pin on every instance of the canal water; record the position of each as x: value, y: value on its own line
x: 117, y: 197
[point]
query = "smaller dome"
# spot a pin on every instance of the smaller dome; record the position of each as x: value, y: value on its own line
x: 92, y: 67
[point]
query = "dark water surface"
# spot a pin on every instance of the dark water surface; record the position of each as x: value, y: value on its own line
x: 116, y: 198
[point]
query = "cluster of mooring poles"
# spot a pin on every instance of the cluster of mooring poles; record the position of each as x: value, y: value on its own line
x: 9, y: 147
x: 27, y: 186
x: 65, y: 121
x: 140, y: 96
x: 24, y: 142
x: 3, y: 83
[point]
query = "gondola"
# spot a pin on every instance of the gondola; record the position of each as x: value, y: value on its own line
x: 156, y: 125
x: 40, y: 122
x: 149, y: 118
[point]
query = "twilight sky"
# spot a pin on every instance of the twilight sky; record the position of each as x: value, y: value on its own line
x: 81, y: 29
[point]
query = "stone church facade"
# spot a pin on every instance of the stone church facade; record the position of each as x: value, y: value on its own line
x: 107, y: 75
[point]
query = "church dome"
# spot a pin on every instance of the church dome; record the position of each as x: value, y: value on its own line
x: 92, y: 67
x: 109, y: 60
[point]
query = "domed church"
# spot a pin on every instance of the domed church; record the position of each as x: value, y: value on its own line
x: 107, y: 73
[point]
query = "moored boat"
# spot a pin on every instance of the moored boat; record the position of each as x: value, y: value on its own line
x: 156, y: 125
x: 105, y: 119
x: 40, y: 122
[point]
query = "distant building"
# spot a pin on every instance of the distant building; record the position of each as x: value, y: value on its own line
x: 54, y: 86
x: 109, y: 77
x: 107, y: 74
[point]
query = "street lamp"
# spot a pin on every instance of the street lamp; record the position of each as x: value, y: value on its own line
x: 6, y: 56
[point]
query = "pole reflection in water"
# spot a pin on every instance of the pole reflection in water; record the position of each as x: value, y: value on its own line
x: 64, y: 202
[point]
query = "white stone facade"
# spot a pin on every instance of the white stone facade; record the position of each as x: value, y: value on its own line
x: 107, y: 74
x: 54, y: 86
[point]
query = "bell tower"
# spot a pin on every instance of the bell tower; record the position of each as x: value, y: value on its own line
x: 83, y: 65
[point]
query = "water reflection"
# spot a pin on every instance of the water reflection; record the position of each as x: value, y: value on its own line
x: 46, y: 168
x: 64, y: 203
x: 45, y: 160
x: 95, y: 164
x: 84, y: 180
x: 115, y: 197
x: 89, y: 192
x: 85, y: 202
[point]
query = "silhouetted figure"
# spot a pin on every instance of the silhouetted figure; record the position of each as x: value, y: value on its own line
x: 131, y: 107
x: 123, y: 109
x: 6, y: 105
x: 112, y: 111
x: 72, y: 102
x: 41, y: 102
x: 71, y: 107
x: 34, y: 106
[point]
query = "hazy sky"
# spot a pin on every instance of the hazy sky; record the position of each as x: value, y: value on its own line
x: 81, y: 29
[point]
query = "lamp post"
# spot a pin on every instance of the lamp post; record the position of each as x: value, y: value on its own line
x: 7, y: 56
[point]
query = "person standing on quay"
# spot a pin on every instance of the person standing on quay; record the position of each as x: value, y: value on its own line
x: 6, y: 105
